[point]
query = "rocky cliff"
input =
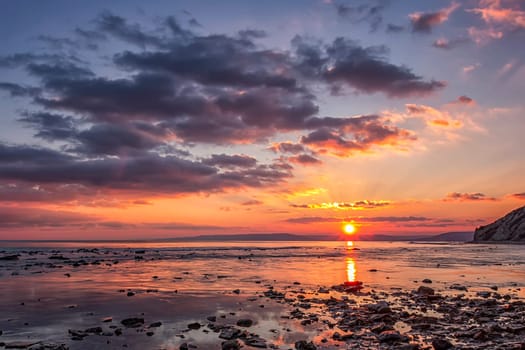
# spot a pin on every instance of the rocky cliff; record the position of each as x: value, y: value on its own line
x: 511, y: 227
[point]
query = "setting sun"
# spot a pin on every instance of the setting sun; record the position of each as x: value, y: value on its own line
x: 349, y: 229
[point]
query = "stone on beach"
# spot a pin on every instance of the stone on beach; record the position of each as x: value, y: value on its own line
x: 244, y: 322
x: 304, y: 345
x: 132, y: 322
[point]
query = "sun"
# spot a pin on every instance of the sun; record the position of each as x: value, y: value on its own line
x: 349, y: 229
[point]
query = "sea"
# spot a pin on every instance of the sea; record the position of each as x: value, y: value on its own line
x: 52, y: 287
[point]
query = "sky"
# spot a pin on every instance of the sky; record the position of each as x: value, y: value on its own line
x: 136, y: 120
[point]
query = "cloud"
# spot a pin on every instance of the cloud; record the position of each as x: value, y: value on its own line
x: 370, y: 12
x: 359, y: 134
x: 394, y: 28
x: 287, y: 147
x: 465, y: 100
x: 500, y: 16
x: 423, y: 22
x: 468, y: 197
x: 14, y: 217
x: 144, y: 172
x: 304, y: 159
x: 390, y: 219
x: 173, y: 90
x: 434, y: 117
x: 446, y: 44
x: 363, y: 69
x: 227, y: 161
x: 252, y: 202
x: 358, y: 205
x: 520, y: 196
x: 470, y: 68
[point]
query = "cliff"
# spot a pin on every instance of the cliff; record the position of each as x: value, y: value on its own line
x: 511, y: 227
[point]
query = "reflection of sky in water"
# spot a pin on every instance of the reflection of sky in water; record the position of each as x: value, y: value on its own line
x: 175, y: 283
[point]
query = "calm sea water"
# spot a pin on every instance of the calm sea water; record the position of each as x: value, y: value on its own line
x: 54, y: 287
x: 200, y: 267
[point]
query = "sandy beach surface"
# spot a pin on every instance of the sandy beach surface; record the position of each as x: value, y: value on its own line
x: 250, y: 295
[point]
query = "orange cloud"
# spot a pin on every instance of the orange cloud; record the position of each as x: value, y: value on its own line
x: 434, y: 117
x: 468, y: 197
x: 500, y: 16
x: 423, y: 22
x: 358, y: 205
x: 520, y: 196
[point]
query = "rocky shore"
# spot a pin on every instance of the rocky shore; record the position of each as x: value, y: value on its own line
x: 275, y: 315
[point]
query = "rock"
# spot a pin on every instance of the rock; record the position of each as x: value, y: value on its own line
x: 390, y: 336
x: 256, y: 342
x: 18, y: 345
x: 212, y: 318
x: 183, y: 346
x: 381, y: 307
x: 230, y: 345
x: 95, y: 330
x: 427, y: 280
x: 132, y: 322
x: 9, y: 257
x: 155, y: 324
x: 423, y: 290
x: 195, y: 325
x: 458, y: 287
x: 441, y: 344
x: 130, y: 294
x: 511, y: 227
x: 244, y: 322
x: 229, y: 333
x: 304, y: 345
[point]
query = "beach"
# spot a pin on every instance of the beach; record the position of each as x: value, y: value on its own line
x: 280, y: 295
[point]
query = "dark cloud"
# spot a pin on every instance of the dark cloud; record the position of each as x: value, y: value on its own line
x: 304, y: 159
x: 215, y: 60
x: 394, y: 28
x: 370, y: 12
x: 14, y: 217
x: 467, y: 197
x: 423, y: 22
x: 227, y: 161
x: 50, y: 126
x: 145, y: 172
x: 363, y: 69
x: 287, y: 147
x: 312, y: 219
x: 357, y: 134
x: 16, y: 90
x: 465, y: 100
x: 132, y: 33
x: 123, y: 132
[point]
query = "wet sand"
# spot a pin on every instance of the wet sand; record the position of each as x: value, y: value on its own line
x: 134, y: 299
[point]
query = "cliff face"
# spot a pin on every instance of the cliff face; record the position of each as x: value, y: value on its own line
x: 511, y: 227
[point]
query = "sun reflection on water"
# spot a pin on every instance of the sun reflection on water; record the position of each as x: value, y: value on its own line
x: 350, y: 270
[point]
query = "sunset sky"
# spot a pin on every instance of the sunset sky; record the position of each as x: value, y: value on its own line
x: 134, y: 119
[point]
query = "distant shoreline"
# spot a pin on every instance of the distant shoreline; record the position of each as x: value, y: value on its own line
x: 465, y: 237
